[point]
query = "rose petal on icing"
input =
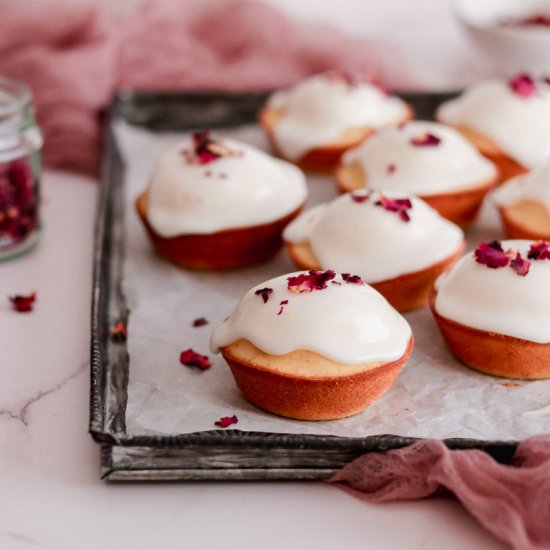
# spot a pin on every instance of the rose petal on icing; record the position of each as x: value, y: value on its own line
x: 523, y: 85
x: 282, y: 304
x: 352, y: 279
x: 391, y: 168
x: 119, y: 332
x: 226, y: 421
x: 206, y: 149
x: 264, y: 293
x: 356, y: 78
x: 539, y: 251
x: 400, y: 206
x: 492, y: 255
x: 191, y: 358
x: 313, y: 280
x: 200, y: 322
x: 360, y: 197
x: 520, y: 265
x: 425, y: 139
x: 23, y: 303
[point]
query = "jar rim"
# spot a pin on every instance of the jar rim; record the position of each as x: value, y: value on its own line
x: 20, y: 95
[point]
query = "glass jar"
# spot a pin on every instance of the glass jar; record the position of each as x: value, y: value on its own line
x: 20, y: 167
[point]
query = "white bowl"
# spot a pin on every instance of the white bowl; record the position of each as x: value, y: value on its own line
x: 511, y: 48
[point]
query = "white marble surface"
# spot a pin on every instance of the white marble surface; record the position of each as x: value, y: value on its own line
x: 51, y: 496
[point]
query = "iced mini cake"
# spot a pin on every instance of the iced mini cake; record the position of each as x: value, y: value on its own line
x: 215, y: 203
x: 395, y: 242
x: 314, y: 122
x: 508, y: 121
x: 314, y: 345
x: 524, y: 204
x: 493, y: 308
x: 427, y: 159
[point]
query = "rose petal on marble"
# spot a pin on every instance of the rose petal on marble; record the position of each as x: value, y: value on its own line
x: 23, y: 303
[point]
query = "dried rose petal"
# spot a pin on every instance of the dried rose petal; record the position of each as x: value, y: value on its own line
x: 307, y: 282
x: 492, y: 255
x: 537, y: 19
x: 190, y: 358
x: 22, y: 303
x: 376, y: 81
x: 425, y: 139
x: 20, y: 174
x: 200, y: 322
x: 282, y: 304
x: 522, y: 85
x: 391, y: 168
x: 342, y: 76
x: 119, y: 332
x: 353, y: 79
x: 264, y: 293
x: 352, y: 279
x: 18, y: 202
x: 360, y: 197
x: 206, y: 149
x: 226, y: 421
x: 520, y: 265
x: 401, y: 206
x: 539, y: 251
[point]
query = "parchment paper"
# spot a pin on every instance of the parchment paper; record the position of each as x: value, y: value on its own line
x: 435, y: 395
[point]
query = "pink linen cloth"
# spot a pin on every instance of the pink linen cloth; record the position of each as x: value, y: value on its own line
x: 75, y: 55
x: 512, y: 502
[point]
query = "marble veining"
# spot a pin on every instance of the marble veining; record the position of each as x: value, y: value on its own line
x: 21, y: 414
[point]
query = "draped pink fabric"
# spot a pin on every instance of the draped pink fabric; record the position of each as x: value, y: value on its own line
x: 512, y: 502
x: 75, y: 55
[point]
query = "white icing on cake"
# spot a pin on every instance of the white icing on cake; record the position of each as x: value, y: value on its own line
x: 348, y: 323
x: 230, y: 192
x: 368, y: 240
x: 498, y: 300
x: 520, y: 126
x: 534, y: 185
x: 390, y: 161
x: 319, y: 109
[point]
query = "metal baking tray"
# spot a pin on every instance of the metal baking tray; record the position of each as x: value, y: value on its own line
x: 215, y: 454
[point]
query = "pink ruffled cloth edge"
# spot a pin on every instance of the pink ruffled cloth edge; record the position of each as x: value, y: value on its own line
x: 75, y: 55
x: 510, y: 501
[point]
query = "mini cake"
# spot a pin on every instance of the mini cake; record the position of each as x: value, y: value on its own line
x: 424, y: 158
x: 493, y: 308
x: 395, y: 242
x: 508, y: 121
x: 524, y: 204
x: 313, y: 123
x: 217, y: 204
x: 314, y: 345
